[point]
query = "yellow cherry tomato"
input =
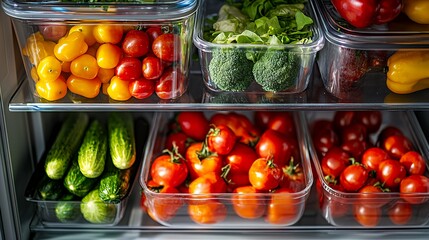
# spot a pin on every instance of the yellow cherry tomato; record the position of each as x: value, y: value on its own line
x: 65, y: 67
x: 118, y: 89
x: 87, y: 31
x: 71, y: 47
x: 104, y: 87
x: 108, y: 55
x: 49, y: 69
x: 105, y: 74
x: 108, y: 33
x: 33, y: 73
x: 89, y: 88
x: 93, y: 49
x: 36, y: 49
x: 52, y: 90
x: 84, y: 66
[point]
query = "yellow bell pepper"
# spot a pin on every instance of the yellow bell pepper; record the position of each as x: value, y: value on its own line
x: 417, y: 10
x: 408, y: 71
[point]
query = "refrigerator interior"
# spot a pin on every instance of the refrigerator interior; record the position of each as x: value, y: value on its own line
x: 26, y: 127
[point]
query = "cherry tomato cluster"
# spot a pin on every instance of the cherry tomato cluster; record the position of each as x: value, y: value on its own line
x: 119, y: 60
x: 258, y: 161
x: 352, y: 163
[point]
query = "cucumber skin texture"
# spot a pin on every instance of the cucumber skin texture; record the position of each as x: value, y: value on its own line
x: 95, y: 210
x: 49, y: 189
x: 93, y: 151
x: 67, y: 210
x: 121, y: 139
x: 114, y: 184
x: 76, y: 183
x: 65, y: 145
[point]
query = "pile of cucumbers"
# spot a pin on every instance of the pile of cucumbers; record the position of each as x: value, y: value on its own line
x: 91, y: 163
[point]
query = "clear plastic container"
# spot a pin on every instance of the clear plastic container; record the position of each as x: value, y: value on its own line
x: 173, y: 209
x: 301, y: 55
x: 68, y: 213
x: 341, y: 208
x: 352, y: 56
x: 112, y: 54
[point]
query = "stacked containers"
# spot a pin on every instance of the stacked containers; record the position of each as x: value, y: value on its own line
x: 354, y: 60
x: 98, y: 49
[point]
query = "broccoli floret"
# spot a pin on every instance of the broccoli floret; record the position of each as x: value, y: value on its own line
x: 230, y: 70
x: 276, y: 70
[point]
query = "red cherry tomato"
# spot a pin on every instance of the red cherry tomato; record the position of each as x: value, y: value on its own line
x: 200, y: 161
x: 171, y: 84
x: 293, y: 177
x: 264, y: 174
x: 400, y: 213
x: 153, y: 32
x: 206, y: 184
x: 390, y: 173
x: 354, y: 131
x: 261, y: 118
x: 353, y: 177
x: 355, y: 148
x: 141, y: 88
x: 129, y: 68
x: 397, y: 146
x: 414, y: 163
x: 135, y: 43
x: 282, y: 122
x: 367, y: 216
x: 414, y: 184
x: 324, y: 137
x: 193, y: 124
x: 370, y: 196
x: 237, y: 165
x: 179, y: 139
x: 372, y: 157
x: 167, y: 47
x: 246, y: 204
x: 334, y: 162
x: 221, y: 139
x: 342, y: 119
x: 283, y: 207
x: 162, y: 208
x: 370, y: 119
x: 387, y: 132
x: 152, y: 68
x: 207, y: 212
x: 281, y: 148
x: 169, y: 169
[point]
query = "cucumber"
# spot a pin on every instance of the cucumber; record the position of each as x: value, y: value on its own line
x: 121, y: 139
x: 114, y: 183
x: 76, y: 183
x: 93, y: 151
x: 94, y: 210
x: 49, y: 189
x: 65, y: 145
x: 67, y: 210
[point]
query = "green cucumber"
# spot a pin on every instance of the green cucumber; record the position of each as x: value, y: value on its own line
x: 114, y: 183
x: 95, y: 210
x: 65, y: 145
x: 93, y: 151
x: 67, y: 210
x: 121, y: 139
x: 76, y: 183
x: 50, y: 189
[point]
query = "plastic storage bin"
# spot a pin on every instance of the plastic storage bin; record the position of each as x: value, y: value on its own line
x: 376, y: 210
x: 300, y: 56
x: 68, y: 213
x: 216, y: 210
x: 106, y: 48
x: 355, y: 59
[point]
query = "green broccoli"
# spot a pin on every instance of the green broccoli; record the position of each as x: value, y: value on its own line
x: 276, y: 70
x: 230, y: 70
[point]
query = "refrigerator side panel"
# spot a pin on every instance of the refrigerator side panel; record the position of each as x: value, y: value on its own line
x: 15, y: 159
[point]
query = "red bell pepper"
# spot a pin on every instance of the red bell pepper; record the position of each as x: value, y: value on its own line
x: 363, y: 13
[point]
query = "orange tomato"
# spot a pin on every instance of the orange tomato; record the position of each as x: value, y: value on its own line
x: 52, y: 90
x: 49, y: 69
x: 208, y: 212
x: 108, y: 33
x: 162, y: 208
x: 118, y: 89
x: 87, y: 31
x: 89, y: 88
x: 105, y: 74
x: 70, y: 47
x: 283, y: 207
x: 65, y: 67
x: 200, y: 165
x: 108, y: 55
x: 247, y: 204
x: 84, y: 66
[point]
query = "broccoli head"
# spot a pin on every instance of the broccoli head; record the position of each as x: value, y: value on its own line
x: 230, y: 70
x: 276, y: 70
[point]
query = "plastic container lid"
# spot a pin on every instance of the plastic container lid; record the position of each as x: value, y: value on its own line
x: 160, y: 10
x: 390, y: 36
